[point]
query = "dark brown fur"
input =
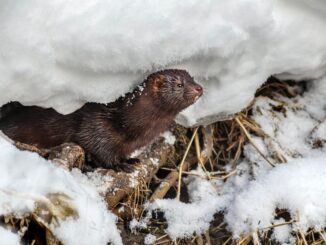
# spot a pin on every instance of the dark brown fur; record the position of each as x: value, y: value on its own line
x: 110, y: 133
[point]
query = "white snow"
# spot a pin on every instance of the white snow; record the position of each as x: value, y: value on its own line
x: 137, y: 224
x: 293, y: 127
x: 149, y: 239
x: 26, y: 178
x: 186, y: 219
x: 169, y: 138
x: 9, y: 238
x: 314, y: 101
x: 69, y: 52
x: 318, y: 135
x: 282, y: 233
x: 298, y: 186
x: 290, y: 129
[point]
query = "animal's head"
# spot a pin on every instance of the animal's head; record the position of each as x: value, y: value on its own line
x: 175, y: 89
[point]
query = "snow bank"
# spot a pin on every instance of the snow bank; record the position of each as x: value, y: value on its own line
x: 298, y: 186
x: 69, y: 52
x: 26, y: 178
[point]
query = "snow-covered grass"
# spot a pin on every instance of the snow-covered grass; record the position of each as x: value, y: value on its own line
x: 26, y: 180
x: 298, y: 186
x: 186, y: 218
x: 249, y: 199
x: 69, y: 52
x: 63, y: 53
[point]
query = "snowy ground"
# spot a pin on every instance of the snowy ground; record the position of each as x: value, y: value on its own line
x: 76, y: 51
x: 61, y: 54
x: 27, y: 180
x: 249, y: 198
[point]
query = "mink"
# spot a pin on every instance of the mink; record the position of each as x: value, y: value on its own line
x: 108, y: 132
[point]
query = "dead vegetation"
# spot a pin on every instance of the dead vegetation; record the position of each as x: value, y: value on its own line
x: 160, y: 176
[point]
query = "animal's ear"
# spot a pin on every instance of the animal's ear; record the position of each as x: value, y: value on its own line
x: 157, y: 83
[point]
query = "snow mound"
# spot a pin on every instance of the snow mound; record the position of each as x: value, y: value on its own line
x: 25, y: 178
x: 298, y: 186
x: 67, y: 53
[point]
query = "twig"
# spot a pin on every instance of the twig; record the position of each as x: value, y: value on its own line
x: 161, y: 237
x: 169, y: 181
x: 184, y: 172
x: 243, y: 240
x: 227, y: 175
x: 200, y: 157
x: 303, y: 237
x: 277, y: 225
x: 255, y: 238
x: 226, y: 242
x: 162, y: 242
x: 247, y: 122
x: 207, y: 237
x: 252, y: 142
x: 183, y: 160
x: 322, y: 236
x: 199, y: 240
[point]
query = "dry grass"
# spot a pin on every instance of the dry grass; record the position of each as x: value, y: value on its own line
x: 218, y: 144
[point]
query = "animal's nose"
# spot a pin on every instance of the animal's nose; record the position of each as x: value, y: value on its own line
x: 198, y: 89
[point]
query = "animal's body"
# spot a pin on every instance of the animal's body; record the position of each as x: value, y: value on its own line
x: 109, y: 132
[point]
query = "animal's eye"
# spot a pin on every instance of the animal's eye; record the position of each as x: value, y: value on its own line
x: 180, y: 85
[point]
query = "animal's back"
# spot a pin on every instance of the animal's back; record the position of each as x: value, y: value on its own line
x: 34, y: 125
x: 9, y: 108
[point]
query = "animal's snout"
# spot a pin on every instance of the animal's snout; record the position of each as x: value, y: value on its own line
x: 198, y: 90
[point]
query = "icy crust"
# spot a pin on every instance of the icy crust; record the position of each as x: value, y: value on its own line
x: 26, y: 178
x: 76, y: 51
x: 250, y: 197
